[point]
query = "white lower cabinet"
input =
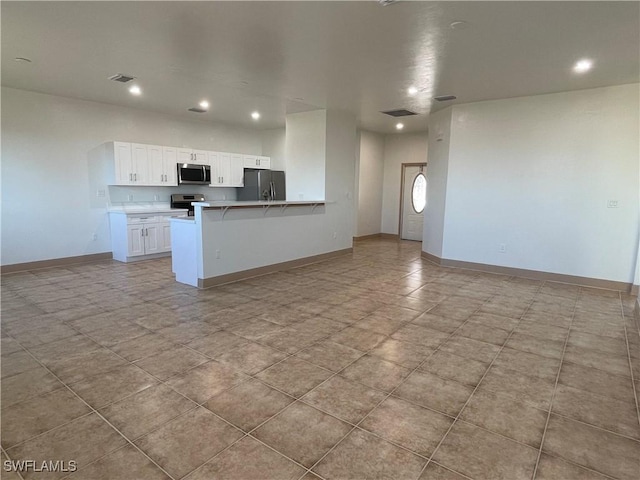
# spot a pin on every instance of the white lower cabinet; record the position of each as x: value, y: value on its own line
x: 138, y: 236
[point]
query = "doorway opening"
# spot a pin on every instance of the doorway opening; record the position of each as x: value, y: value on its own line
x: 413, y: 200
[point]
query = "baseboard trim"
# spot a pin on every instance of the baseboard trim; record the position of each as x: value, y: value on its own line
x: 636, y: 313
x: 55, y: 262
x: 390, y: 236
x: 533, y: 274
x: 276, y: 267
x: 431, y: 258
x: 384, y: 236
x: 366, y: 237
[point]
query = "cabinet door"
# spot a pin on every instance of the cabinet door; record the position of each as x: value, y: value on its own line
x: 135, y: 240
x: 200, y: 157
x: 140, y: 162
x: 170, y: 166
x: 225, y: 169
x: 185, y: 155
x: 263, y: 162
x: 152, y: 238
x: 156, y: 165
x: 250, y: 161
x: 214, y: 162
x: 123, y: 165
x: 237, y: 170
x: 165, y: 231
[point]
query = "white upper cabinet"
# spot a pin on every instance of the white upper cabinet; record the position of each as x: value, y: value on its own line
x: 185, y: 155
x: 162, y: 165
x: 200, y: 157
x: 236, y: 175
x: 227, y: 169
x: 140, y: 163
x: 170, y: 164
x: 195, y: 157
x: 257, y: 161
x: 125, y: 163
x: 122, y: 163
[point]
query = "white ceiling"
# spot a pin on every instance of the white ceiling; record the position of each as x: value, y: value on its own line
x: 282, y: 57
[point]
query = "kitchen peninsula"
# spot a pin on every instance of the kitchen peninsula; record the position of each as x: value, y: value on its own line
x: 227, y: 241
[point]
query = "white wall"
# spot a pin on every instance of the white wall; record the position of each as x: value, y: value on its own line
x: 370, y: 175
x: 273, y: 145
x: 398, y: 149
x: 437, y: 171
x: 296, y: 232
x: 305, y: 153
x: 46, y: 203
x: 535, y: 173
x: 340, y: 175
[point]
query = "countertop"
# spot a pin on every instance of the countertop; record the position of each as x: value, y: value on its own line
x: 270, y: 203
x: 147, y: 210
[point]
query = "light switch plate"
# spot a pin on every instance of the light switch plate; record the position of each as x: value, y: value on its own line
x: 612, y: 203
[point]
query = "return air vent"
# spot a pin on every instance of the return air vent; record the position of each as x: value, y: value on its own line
x: 444, y: 98
x: 197, y: 110
x: 121, y: 77
x: 399, y: 113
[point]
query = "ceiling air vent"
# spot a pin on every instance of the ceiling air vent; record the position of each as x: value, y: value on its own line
x: 444, y: 98
x: 197, y: 110
x: 399, y: 113
x: 121, y: 77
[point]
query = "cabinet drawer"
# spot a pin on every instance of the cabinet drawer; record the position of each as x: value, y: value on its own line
x: 142, y: 219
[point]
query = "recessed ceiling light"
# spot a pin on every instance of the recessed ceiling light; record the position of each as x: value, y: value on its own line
x: 255, y: 115
x: 412, y: 90
x: 135, y: 90
x: 204, y: 104
x: 399, y: 126
x: 384, y: 3
x: 22, y: 59
x: 458, y: 25
x: 583, y: 66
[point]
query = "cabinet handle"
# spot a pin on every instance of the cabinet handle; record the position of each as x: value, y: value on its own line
x: 131, y: 177
x: 258, y: 161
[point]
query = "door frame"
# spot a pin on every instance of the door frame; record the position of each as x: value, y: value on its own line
x: 402, y: 172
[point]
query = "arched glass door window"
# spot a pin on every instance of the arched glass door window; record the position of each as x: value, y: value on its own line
x: 419, y: 193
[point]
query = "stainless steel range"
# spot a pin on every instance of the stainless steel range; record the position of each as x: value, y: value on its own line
x: 179, y: 200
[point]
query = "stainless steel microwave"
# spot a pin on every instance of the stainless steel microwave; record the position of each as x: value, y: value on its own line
x: 191, y: 174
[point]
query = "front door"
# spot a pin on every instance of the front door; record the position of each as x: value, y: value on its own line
x: 414, y: 199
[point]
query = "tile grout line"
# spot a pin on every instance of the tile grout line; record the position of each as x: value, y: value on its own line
x: 555, y: 387
x: 89, y: 413
x: 483, y: 376
x: 397, y: 386
x: 164, y: 383
x: 289, y: 355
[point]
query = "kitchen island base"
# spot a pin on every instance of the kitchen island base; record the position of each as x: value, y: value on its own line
x: 230, y: 241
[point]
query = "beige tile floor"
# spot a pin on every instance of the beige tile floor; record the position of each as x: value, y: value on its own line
x: 370, y: 366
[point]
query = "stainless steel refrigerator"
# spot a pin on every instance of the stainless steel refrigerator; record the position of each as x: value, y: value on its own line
x: 263, y: 185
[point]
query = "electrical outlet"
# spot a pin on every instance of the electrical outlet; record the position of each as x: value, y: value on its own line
x: 130, y: 198
x: 301, y: 196
x: 156, y: 198
x: 335, y: 235
x: 612, y: 203
x: 95, y: 237
x: 217, y: 253
x: 100, y: 193
x: 502, y: 248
